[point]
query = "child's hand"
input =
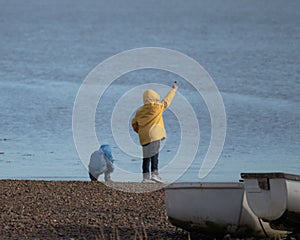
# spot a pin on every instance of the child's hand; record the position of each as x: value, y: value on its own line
x: 175, y: 86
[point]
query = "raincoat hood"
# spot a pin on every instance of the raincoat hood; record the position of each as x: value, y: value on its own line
x: 150, y: 96
x: 107, y: 151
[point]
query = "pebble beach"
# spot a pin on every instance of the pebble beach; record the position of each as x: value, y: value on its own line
x: 32, y: 209
x: 82, y: 210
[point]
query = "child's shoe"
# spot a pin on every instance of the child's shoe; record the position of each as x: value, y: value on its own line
x: 156, y: 178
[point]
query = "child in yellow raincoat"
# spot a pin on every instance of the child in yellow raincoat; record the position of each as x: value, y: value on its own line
x: 148, y: 123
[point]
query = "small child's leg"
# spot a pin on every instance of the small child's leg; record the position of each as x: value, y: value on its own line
x: 154, y: 163
x: 146, y: 174
x: 107, y: 176
x: 154, y: 169
x: 92, y: 177
x: 146, y: 165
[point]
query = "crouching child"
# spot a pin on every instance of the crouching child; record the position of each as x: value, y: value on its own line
x: 101, y: 162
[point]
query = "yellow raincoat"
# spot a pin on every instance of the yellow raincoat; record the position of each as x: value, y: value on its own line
x: 148, y: 121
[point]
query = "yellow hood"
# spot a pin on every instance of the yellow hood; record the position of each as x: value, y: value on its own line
x: 150, y: 96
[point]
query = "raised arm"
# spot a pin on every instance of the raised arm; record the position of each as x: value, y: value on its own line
x: 169, y: 97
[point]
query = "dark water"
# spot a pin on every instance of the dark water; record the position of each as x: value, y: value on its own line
x: 250, y: 48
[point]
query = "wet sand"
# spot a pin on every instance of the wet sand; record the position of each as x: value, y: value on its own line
x: 82, y: 210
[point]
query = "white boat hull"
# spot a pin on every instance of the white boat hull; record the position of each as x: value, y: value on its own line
x: 274, y: 197
x: 214, y: 208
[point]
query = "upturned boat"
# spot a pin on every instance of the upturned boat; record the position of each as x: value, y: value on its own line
x: 264, y: 206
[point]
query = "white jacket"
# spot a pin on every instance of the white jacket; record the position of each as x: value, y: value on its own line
x: 97, y: 163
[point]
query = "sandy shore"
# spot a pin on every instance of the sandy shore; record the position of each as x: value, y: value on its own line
x: 81, y: 210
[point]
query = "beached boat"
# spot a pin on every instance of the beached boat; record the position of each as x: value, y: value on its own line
x: 275, y: 198
x: 214, y: 209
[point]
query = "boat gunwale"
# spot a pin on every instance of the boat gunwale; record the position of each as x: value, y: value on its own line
x: 205, y: 185
x: 271, y: 175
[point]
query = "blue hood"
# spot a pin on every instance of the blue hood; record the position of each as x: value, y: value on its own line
x: 107, y: 151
